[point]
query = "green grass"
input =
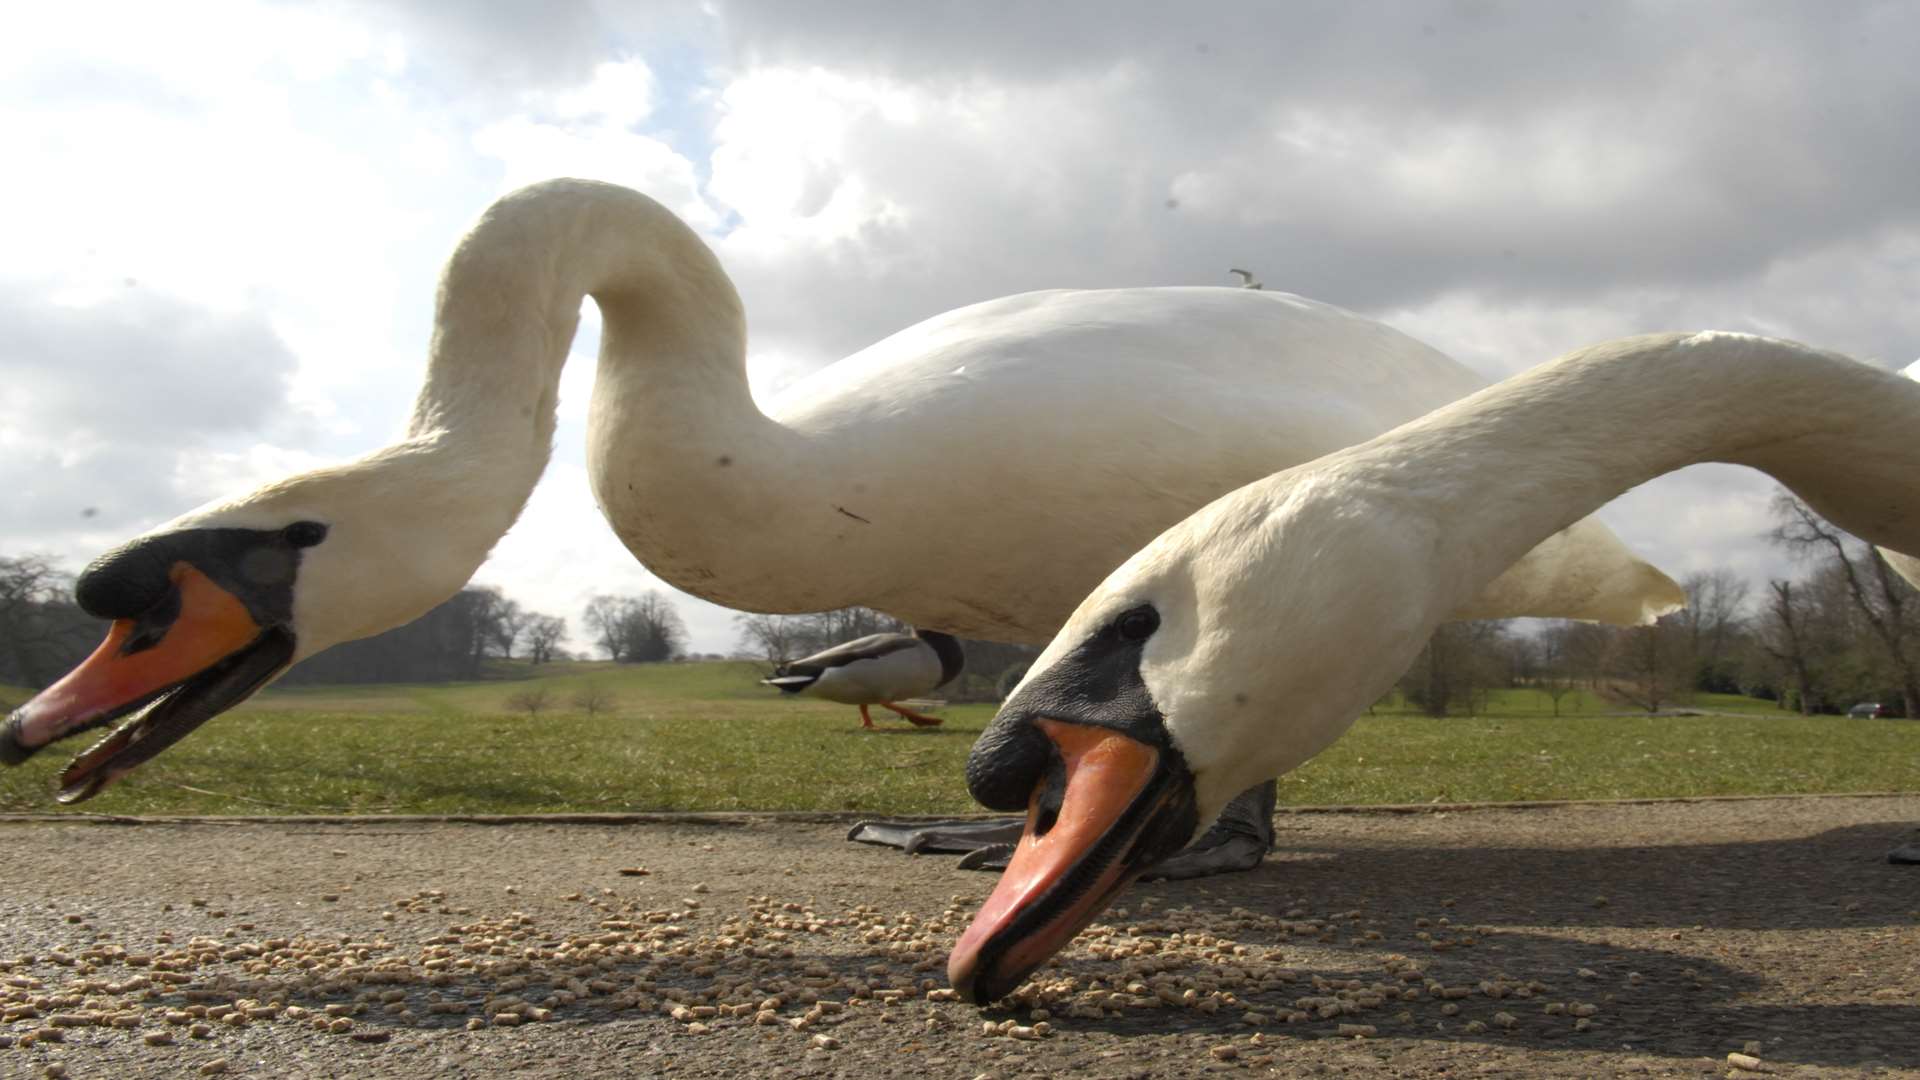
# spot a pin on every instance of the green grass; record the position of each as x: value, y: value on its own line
x: 1497, y: 759
x: 707, y: 737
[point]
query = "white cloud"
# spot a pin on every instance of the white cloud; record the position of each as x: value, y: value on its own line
x: 1506, y: 181
x: 586, y: 130
x: 620, y: 94
x: 781, y: 154
x: 115, y: 406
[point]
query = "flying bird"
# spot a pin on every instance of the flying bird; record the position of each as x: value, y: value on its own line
x: 879, y: 669
x: 977, y: 473
x: 1247, y: 638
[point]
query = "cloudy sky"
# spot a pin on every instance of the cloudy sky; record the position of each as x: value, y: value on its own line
x: 219, y: 231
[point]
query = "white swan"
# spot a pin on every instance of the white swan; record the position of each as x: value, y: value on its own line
x: 976, y: 473
x: 1245, y: 639
x: 879, y: 669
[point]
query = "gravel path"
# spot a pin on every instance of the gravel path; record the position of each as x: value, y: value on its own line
x: 1470, y: 943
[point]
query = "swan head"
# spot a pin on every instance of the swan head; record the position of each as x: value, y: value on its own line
x: 208, y: 608
x: 1232, y: 648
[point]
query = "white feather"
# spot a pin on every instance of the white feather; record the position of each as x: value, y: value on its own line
x: 1289, y: 604
x: 978, y: 472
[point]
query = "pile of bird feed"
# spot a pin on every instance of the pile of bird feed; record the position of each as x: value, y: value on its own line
x: 774, y: 966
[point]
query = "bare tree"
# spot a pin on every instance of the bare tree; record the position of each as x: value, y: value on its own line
x: 531, y: 700
x: 1553, y: 663
x: 773, y: 637
x: 1784, y: 635
x: 1462, y: 662
x: 543, y: 635
x: 1883, y: 600
x: 41, y: 633
x: 1651, y: 662
x: 659, y: 632
x: 509, y: 622
x: 593, y: 699
x: 780, y: 638
x: 829, y: 628
x: 637, y: 629
x: 1716, y: 602
x: 605, y: 617
x: 482, y: 604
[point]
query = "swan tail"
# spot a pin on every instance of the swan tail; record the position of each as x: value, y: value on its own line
x: 1906, y: 565
x: 1580, y: 572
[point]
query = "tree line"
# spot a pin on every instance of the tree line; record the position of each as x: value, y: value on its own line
x: 1845, y: 631
x: 43, y: 634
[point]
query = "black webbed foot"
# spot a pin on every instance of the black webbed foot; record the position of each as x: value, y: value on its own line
x: 1238, y: 841
x: 964, y: 835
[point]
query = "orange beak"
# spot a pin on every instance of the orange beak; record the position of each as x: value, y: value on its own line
x: 1110, y: 809
x: 141, y: 661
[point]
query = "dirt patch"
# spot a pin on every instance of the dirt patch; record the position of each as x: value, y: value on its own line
x: 1470, y: 942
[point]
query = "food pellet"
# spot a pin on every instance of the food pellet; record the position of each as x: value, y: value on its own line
x: 1358, y: 1031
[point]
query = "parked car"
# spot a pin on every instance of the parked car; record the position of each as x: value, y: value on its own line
x: 1867, y: 710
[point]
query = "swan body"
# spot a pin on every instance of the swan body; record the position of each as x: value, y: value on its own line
x: 1248, y: 637
x: 878, y: 669
x: 1023, y: 446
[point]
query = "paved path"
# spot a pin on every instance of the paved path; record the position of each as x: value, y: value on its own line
x: 1693, y: 929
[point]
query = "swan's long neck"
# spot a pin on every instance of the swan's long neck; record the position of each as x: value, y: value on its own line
x: 672, y: 346
x: 1298, y: 599
x: 1502, y: 470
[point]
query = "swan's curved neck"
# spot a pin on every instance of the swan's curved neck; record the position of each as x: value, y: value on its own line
x: 672, y: 344
x: 1505, y: 468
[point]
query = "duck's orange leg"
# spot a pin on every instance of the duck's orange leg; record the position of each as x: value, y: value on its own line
x: 865, y: 720
x: 917, y: 718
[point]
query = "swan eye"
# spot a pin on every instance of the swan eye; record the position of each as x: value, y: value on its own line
x: 1138, y: 624
x: 304, y: 534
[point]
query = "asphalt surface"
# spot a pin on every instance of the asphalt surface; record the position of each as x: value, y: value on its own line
x: 1470, y: 942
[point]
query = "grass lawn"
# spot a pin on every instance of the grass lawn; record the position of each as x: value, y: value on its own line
x: 707, y: 737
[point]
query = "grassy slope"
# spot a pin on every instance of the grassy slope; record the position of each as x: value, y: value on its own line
x: 706, y: 737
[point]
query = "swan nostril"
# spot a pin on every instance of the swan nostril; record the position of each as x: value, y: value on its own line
x: 1052, y: 797
x: 152, y: 624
